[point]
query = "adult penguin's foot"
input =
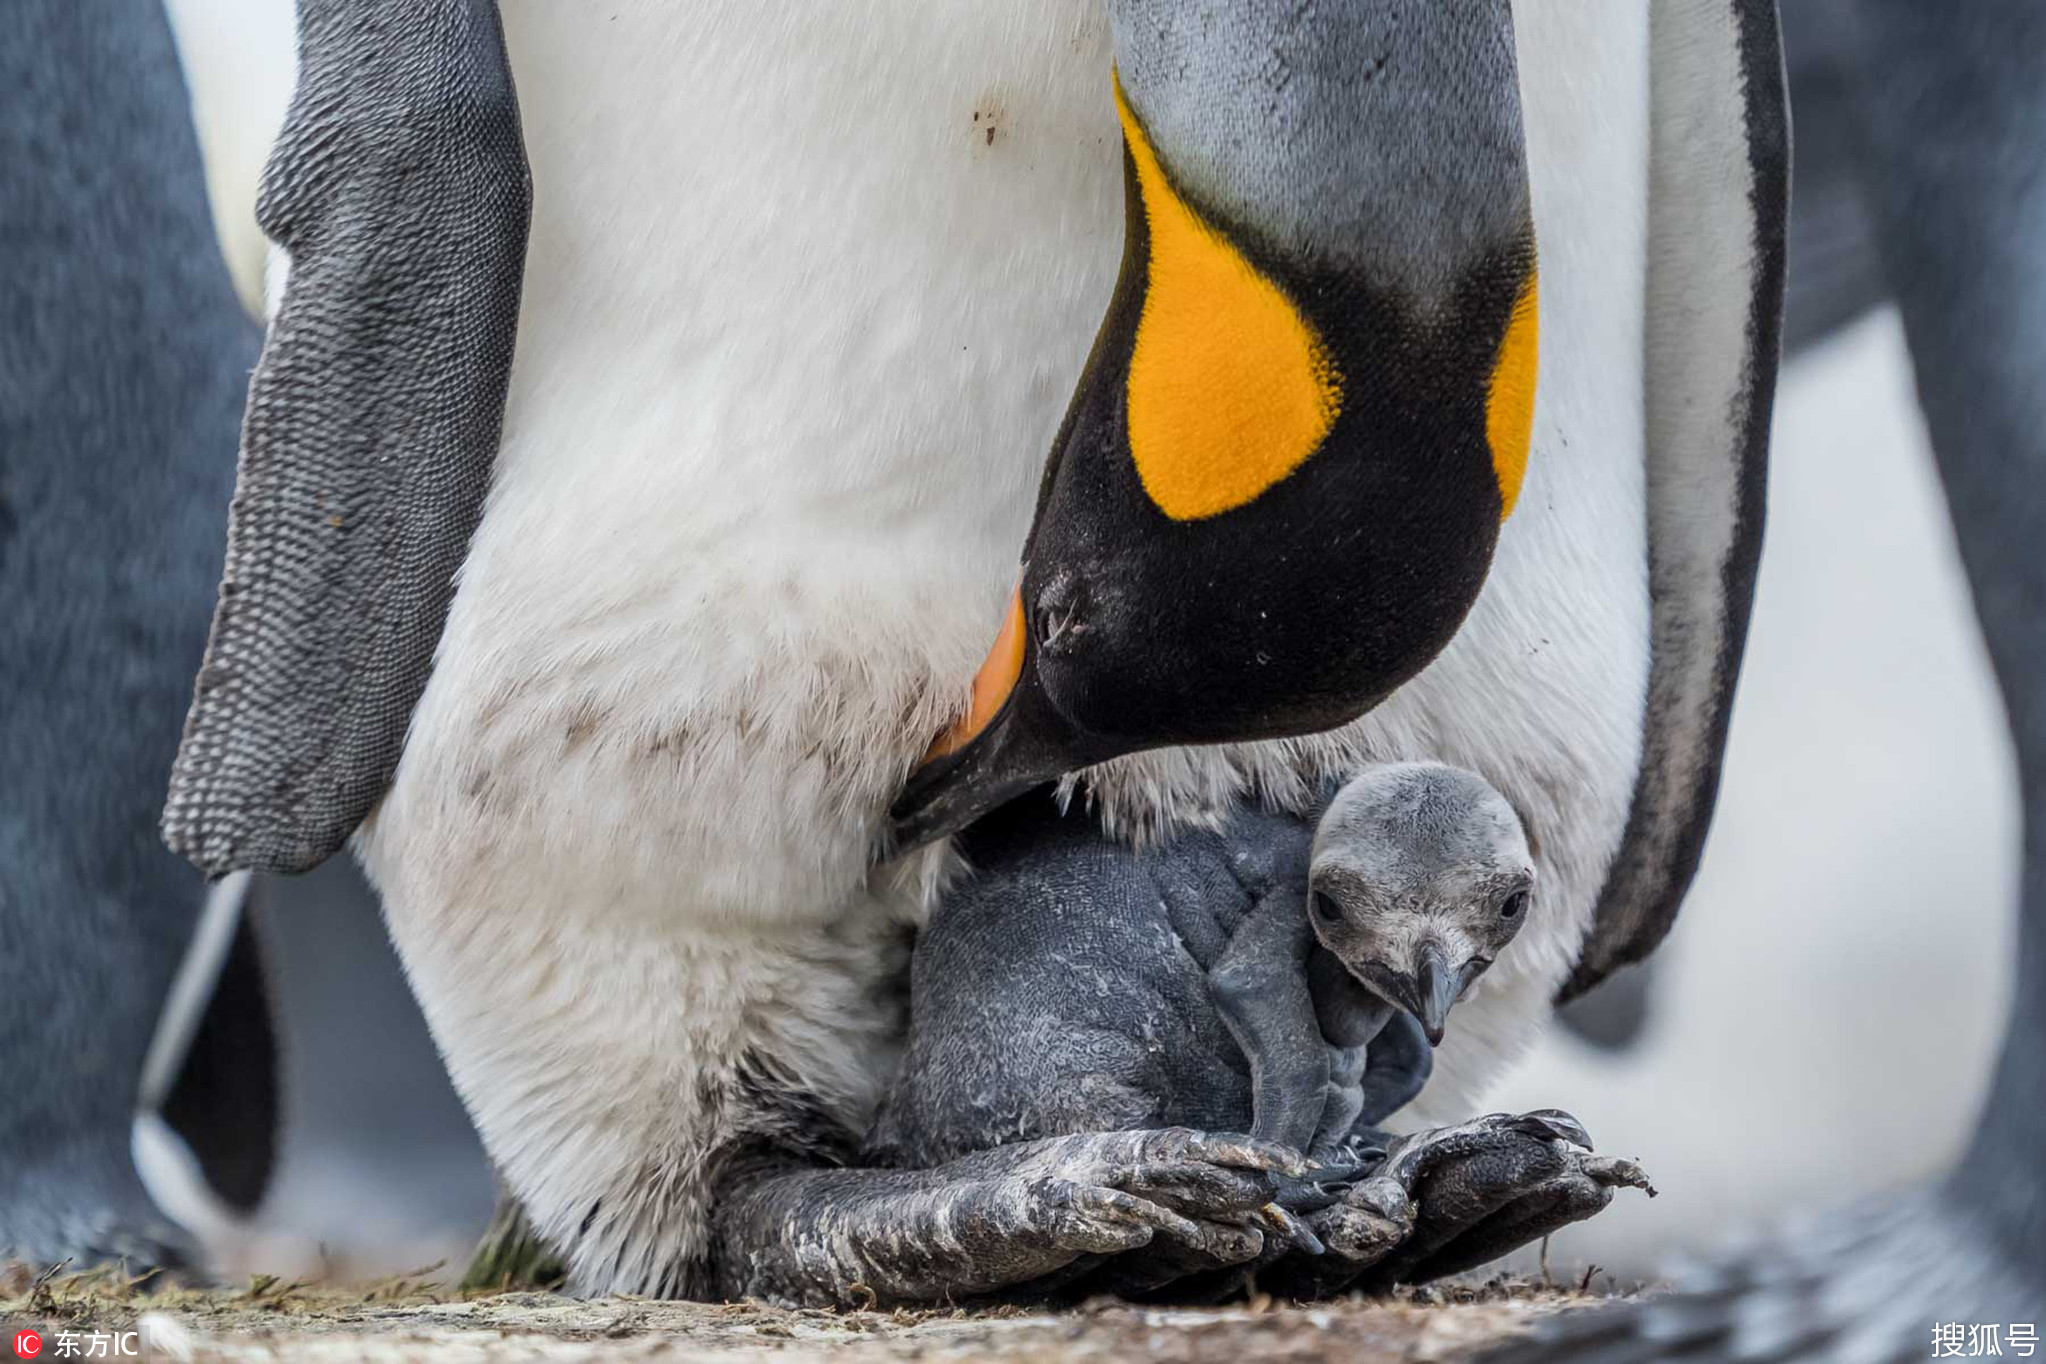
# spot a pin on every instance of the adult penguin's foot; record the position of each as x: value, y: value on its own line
x: 1034, y: 1217
x: 1453, y: 1198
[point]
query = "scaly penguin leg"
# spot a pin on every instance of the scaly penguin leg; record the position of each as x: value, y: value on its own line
x: 990, y: 1221
x: 1455, y: 1197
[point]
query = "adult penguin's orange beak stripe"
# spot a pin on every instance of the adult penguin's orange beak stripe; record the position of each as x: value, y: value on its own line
x: 992, y: 685
x: 1010, y: 739
x: 1282, y: 475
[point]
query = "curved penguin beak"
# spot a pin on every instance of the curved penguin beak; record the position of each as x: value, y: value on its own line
x: 1016, y: 751
x: 1010, y: 739
x: 1432, y: 991
x: 1439, y: 985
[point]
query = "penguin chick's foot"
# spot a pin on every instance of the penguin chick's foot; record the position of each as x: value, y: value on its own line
x: 1453, y: 1198
x: 1032, y: 1216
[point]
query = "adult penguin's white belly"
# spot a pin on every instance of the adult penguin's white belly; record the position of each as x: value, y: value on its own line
x: 806, y: 291
x: 1543, y: 689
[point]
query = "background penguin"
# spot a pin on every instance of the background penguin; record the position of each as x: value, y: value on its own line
x: 123, y: 360
x: 654, y: 748
x: 1952, y: 116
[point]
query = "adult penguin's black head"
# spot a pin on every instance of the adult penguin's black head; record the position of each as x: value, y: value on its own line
x: 1278, y: 487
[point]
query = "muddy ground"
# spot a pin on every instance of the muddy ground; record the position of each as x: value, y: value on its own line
x: 407, y: 1319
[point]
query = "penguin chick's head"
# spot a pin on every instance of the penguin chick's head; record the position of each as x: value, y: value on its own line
x: 1420, y: 876
x: 1280, y: 481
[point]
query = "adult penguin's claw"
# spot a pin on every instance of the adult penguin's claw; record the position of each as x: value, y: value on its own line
x: 1455, y: 1197
x: 1553, y: 1123
x: 1290, y: 1230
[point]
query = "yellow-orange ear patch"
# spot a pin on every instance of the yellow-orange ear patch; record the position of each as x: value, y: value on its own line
x: 1510, y: 398
x: 991, y: 685
x: 1230, y: 387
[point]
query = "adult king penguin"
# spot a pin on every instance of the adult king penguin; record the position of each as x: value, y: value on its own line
x: 123, y: 359
x: 618, y: 652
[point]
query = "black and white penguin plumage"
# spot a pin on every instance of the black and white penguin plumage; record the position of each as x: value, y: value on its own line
x: 123, y: 367
x: 617, y: 642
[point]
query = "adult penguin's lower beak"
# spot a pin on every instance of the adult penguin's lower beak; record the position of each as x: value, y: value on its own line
x: 1010, y: 739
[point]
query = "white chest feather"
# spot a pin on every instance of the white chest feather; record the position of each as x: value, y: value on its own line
x: 807, y: 289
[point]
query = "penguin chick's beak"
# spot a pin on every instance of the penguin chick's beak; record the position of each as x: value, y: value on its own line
x: 1432, y: 990
x: 1010, y: 739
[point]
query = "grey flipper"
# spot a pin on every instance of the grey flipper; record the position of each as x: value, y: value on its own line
x: 1364, y: 1073
x: 1259, y: 986
x: 1953, y: 116
x: 123, y: 362
x: 1718, y: 186
x: 1834, y: 278
x: 1400, y: 1062
x: 399, y: 187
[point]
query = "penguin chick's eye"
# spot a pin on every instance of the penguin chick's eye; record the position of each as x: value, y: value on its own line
x: 1515, y: 905
x: 1326, y: 908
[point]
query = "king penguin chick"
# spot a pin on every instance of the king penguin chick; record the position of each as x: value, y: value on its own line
x: 1419, y: 877
x: 1075, y: 984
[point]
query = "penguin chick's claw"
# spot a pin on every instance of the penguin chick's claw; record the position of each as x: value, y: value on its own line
x: 1324, y: 1185
x: 1346, y: 1172
x: 1004, y: 1219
